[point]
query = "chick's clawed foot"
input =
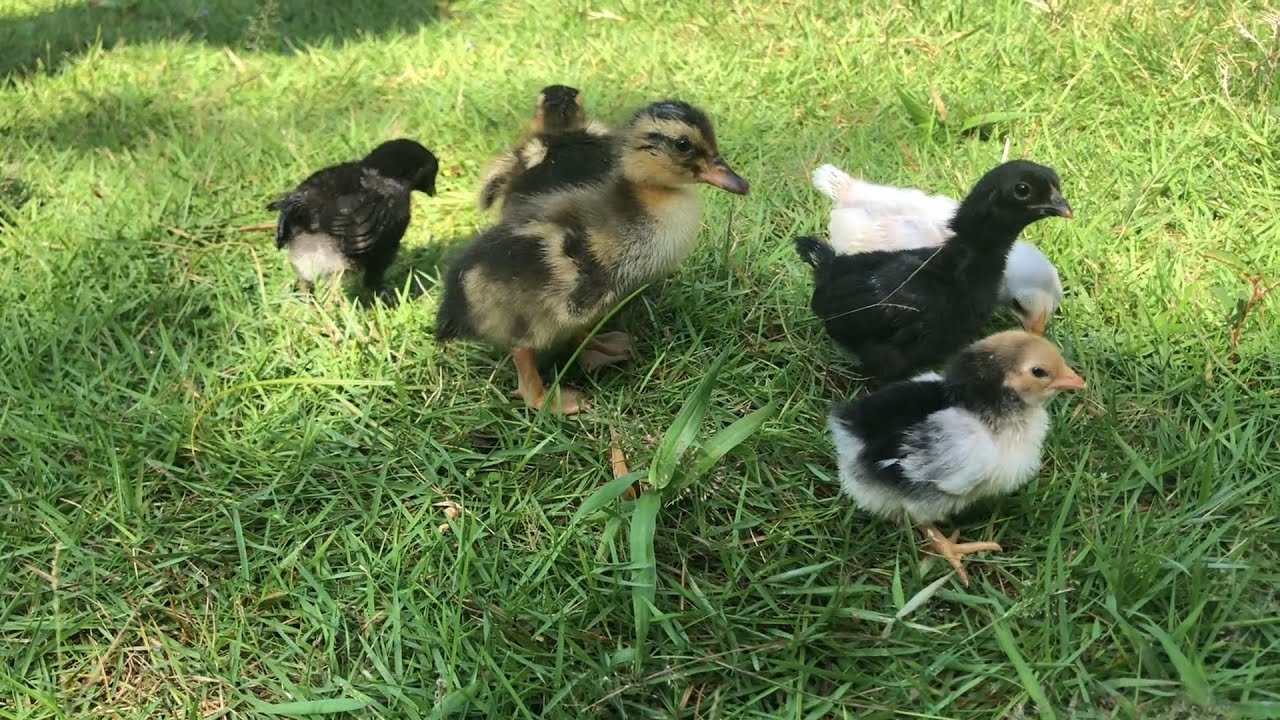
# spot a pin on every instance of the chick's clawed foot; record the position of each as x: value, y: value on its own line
x: 605, y: 349
x: 948, y: 548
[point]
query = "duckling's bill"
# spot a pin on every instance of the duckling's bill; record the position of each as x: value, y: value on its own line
x: 717, y: 173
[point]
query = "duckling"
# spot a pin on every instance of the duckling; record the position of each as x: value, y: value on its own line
x: 938, y: 443
x: 869, y: 217
x: 561, y: 148
x: 905, y: 310
x: 353, y: 215
x: 548, y: 271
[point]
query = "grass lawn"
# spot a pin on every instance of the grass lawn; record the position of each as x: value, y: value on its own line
x: 218, y: 499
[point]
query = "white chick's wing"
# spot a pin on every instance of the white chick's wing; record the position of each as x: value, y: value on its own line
x: 887, y: 200
x: 952, y: 450
x: 856, y: 230
x: 882, y: 201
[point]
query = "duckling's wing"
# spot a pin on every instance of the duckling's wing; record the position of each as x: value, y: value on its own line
x: 952, y: 450
x: 497, y: 177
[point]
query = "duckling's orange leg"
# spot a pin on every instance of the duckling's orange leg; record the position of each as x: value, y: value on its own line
x: 609, y: 348
x: 948, y: 548
x: 529, y: 385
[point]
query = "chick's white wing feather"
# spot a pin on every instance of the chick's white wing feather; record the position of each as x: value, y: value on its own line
x: 832, y: 182
x: 952, y: 450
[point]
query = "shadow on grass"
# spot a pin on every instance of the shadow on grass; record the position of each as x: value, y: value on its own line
x: 43, y: 42
x: 420, y: 267
x: 112, y: 120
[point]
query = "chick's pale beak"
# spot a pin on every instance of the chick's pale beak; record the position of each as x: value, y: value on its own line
x: 1035, y: 323
x: 1068, y: 380
x: 718, y: 173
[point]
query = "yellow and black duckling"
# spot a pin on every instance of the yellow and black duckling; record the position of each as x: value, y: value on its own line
x: 561, y: 148
x: 548, y: 271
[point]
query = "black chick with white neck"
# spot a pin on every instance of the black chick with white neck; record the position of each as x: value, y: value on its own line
x: 353, y: 215
x: 562, y: 148
x: 934, y: 445
x: 550, y: 270
x: 907, y: 310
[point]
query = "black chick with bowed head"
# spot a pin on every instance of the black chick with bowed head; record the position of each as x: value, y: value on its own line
x: 561, y: 149
x: 903, y: 311
x: 353, y: 215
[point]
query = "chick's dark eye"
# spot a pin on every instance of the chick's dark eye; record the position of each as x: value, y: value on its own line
x: 1039, y: 372
x: 1022, y: 191
x: 683, y: 146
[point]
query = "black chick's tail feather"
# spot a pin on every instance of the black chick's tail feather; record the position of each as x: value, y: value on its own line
x: 814, y: 251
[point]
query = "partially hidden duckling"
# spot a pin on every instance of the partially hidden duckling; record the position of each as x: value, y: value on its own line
x: 867, y: 217
x: 561, y: 148
x: 938, y: 443
x: 353, y: 215
x: 547, y: 272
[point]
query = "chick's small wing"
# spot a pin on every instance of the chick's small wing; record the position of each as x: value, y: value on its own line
x: 362, y: 219
x: 952, y: 450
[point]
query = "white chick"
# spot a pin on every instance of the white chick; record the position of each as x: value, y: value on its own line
x: 868, y: 217
x: 935, y: 444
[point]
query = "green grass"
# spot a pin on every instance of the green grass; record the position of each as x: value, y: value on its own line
x: 219, y: 501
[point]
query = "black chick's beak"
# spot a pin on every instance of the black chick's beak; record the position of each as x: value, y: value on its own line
x: 1057, y: 205
x: 718, y: 173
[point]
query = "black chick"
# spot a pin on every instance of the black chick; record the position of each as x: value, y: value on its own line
x: 353, y: 215
x: 903, y: 311
x: 562, y: 149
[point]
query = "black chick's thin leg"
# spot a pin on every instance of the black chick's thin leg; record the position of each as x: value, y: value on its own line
x: 374, y: 285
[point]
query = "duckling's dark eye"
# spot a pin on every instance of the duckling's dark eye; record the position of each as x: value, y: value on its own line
x: 1022, y: 191
x: 1039, y: 372
x: 684, y: 146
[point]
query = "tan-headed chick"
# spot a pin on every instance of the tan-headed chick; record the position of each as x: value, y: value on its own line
x: 935, y: 444
x: 561, y: 148
x: 550, y: 271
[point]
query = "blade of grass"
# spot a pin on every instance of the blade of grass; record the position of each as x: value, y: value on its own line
x: 1028, y: 677
x: 644, y: 569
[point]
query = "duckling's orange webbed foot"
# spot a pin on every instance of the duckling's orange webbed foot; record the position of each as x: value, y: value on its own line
x: 948, y: 548
x: 605, y: 349
x: 529, y: 386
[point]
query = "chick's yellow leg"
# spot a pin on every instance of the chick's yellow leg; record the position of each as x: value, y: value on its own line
x: 608, y: 348
x: 948, y: 548
x: 529, y: 385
